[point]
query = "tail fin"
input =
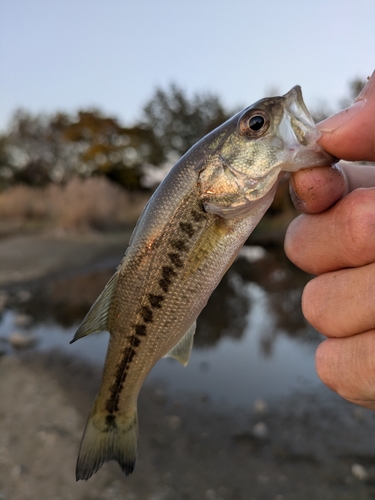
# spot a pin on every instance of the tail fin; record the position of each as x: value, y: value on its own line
x: 108, y: 437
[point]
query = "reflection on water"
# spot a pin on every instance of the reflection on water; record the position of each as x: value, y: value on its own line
x: 252, y: 340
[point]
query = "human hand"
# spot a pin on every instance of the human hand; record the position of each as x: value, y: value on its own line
x: 338, y: 245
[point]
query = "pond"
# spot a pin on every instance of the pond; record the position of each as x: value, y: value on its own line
x: 251, y: 342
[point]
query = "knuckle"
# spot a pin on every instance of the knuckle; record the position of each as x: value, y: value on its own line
x: 323, y: 362
x: 311, y: 304
x: 359, y: 219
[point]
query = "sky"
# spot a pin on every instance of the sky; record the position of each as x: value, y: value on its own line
x: 65, y: 55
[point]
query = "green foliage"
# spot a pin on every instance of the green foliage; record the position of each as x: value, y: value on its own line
x: 179, y: 122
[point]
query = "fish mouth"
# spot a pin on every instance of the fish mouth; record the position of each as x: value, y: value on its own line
x: 301, y: 134
x: 294, y: 101
x: 301, y: 121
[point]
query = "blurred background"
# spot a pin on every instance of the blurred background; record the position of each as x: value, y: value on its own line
x: 98, y: 100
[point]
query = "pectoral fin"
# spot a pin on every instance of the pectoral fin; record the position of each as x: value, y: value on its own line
x: 96, y: 320
x: 181, y: 351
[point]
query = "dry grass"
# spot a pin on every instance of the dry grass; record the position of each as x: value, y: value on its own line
x: 81, y: 204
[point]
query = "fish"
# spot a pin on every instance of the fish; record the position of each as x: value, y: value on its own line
x: 186, y: 238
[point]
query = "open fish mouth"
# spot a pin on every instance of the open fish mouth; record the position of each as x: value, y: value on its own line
x: 298, y: 129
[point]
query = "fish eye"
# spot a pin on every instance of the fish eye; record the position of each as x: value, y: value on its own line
x: 254, y: 124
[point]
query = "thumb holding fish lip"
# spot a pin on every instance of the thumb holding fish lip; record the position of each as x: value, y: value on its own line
x: 350, y: 134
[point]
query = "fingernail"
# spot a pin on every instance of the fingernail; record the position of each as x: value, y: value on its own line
x: 334, y: 122
x: 368, y: 89
x: 297, y: 202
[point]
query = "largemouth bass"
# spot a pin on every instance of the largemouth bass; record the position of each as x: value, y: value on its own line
x: 185, y: 240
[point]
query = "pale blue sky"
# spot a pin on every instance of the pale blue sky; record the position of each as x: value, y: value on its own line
x: 70, y: 54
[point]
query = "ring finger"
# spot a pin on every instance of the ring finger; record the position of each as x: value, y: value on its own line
x: 341, y: 303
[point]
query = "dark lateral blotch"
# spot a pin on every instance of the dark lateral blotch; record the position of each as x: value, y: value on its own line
x: 129, y: 354
x: 147, y: 314
x: 187, y: 228
x: 141, y: 330
x: 110, y: 421
x: 179, y: 245
x: 166, y: 280
x: 176, y: 259
x: 155, y: 300
x: 168, y: 272
x: 134, y: 341
x: 197, y: 216
x: 115, y: 390
x: 164, y: 284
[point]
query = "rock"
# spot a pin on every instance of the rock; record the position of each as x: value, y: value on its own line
x: 22, y: 320
x: 174, y: 422
x: 160, y: 397
x: 260, y: 407
x: 22, y: 340
x: 359, y: 472
x: 23, y: 295
x: 4, y: 297
x: 260, y: 430
x: 210, y: 494
x: 252, y: 253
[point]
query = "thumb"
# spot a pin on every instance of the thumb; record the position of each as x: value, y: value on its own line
x: 350, y: 134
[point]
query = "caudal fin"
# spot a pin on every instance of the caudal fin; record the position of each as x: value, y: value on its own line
x: 108, y: 437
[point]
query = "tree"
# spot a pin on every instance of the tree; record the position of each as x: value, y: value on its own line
x: 178, y: 122
x: 39, y: 149
x: 33, y: 151
x: 107, y: 148
x: 323, y: 111
x: 355, y: 87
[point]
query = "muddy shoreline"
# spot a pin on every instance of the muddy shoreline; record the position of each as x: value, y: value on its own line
x: 307, y: 446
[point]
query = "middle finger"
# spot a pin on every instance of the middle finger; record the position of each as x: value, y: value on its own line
x: 341, y: 303
x: 343, y: 236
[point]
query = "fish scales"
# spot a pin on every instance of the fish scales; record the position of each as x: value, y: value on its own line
x: 169, y: 301
x: 188, y: 235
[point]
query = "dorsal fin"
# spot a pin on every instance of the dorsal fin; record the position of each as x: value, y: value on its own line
x: 96, y: 320
x: 181, y: 351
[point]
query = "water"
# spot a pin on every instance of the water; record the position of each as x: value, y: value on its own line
x: 251, y: 341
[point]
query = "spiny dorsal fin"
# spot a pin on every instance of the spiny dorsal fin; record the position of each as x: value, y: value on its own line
x: 181, y: 351
x: 96, y: 320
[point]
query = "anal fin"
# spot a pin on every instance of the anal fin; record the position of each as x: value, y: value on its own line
x: 181, y: 351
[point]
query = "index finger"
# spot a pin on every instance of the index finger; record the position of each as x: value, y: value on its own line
x: 317, y: 189
x: 337, y: 238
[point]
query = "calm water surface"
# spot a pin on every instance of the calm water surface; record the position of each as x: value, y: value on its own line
x: 251, y: 340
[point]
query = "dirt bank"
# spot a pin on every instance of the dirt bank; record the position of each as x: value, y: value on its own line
x: 309, y: 446
x: 188, y: 448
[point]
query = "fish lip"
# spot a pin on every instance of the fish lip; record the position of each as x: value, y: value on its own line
x: 308, y: 152
x: 295, y: 95
x: 296, y: 107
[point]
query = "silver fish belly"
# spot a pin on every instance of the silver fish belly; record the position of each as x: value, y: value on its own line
x: 188, y: 235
